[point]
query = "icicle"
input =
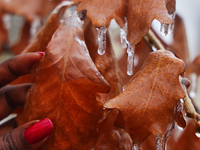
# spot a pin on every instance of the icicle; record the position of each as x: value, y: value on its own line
x: 102, y: 40
x: 137, y: 147
x: 167, y: 28
x: 164, y: 29
x: 197, y: 134
x: 35, y: 26
x: 160, y: 143
x: 123, y: 35
x: 130, y: 59
x: 171, y: 26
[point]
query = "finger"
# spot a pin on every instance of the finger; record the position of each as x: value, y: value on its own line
x: 11, y: 97
x: 17, y: 66
x: 8, y: 126
x: 28, y: 136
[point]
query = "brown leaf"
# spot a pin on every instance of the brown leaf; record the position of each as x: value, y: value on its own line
x: 107, y: 66
x: 29, y: 8
x: 142, y: 51
x: 194, y: 66
x: 179, y: 45
x: 90, y: 35
x: 101, y: 12
x: 148, y: 102
x: 187, y: 140
x: 140, y: 15
x: 23, y: 40
x: 111, y: 137
x: 70, y: 81
x: 39, y: 43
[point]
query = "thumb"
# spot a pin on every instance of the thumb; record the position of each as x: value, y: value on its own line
x: 28, y: 136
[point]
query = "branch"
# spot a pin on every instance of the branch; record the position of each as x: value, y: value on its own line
x: 153, y: 41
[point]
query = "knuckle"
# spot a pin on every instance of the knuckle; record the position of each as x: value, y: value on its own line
x: 10, y: 142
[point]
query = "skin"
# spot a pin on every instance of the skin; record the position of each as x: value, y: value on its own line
x: 12, y: 96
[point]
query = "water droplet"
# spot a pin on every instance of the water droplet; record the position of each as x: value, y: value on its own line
x: 137, y: 147
x: 102, y: 40
x: 180, y: 128
x: 160, y: 143
x: 35, y: 26
x: 197, y: 134
x: 154, y: 49
x: 123, y: 35
x: 130, y: 59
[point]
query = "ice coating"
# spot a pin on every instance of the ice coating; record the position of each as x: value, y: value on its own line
x: 7, y: 20
x: 101, y: 40
x: 160, y: 143
x: 137, y: 147
x: 74, y: 20
x: 123, y: 35
x: 130, y: 59
x: 84, y: 47
x: 64, y: 3
x: 165, y: 29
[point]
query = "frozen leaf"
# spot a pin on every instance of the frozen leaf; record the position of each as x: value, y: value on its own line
x: 90, y: 36
x: 179, y: 45
x: 70, y: 81
x: 101, y: 12
x: 187, y: 140
x: 40, y: 41
x: 111, y: 137
x: 140, y: 15
x: 148, y: 102
x: 194, y: 67
x: 29, y: 8
x: 107, y: 66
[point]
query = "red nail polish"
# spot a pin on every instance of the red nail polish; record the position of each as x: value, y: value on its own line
x: 38, y: 131
x: 41, y: 53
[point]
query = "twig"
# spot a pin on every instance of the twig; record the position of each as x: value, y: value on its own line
x: 189, y: 108
x: 153, y: 41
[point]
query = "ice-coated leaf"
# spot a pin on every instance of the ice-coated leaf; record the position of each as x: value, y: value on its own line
x: 140, y: 15
x: 70, y: 81
x: 148, y: 102
x: 179, y: 45
x: 101, y: 12
x: 107, y: 66
x: 111, y: 137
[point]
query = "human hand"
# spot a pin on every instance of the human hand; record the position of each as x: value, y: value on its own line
x: 34, y: 133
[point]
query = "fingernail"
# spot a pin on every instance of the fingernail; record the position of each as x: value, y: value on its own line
x: 38, y: 131
x: 41, y: 53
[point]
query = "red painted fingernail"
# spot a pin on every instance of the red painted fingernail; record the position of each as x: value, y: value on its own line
x: 38, y: 131
x: 41, y: 53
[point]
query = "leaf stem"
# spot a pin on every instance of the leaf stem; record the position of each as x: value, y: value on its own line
x: 153, y: 41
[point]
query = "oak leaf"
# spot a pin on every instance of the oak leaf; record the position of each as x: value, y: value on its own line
x: 70, y: 81
x: 101, y: 12
x: 108, y: 67
x: 111, y: 137
x: 148, y: 102
x: 140, y: 15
